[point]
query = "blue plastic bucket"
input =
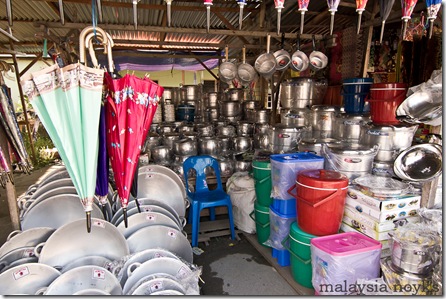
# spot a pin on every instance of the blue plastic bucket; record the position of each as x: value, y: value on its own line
x: 356, y: 85
x: 354, y: 102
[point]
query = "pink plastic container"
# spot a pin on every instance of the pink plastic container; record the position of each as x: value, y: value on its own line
x: 339, y: 260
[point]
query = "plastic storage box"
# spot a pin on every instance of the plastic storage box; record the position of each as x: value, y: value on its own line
x: 284, y: 170
x: 339, y: 260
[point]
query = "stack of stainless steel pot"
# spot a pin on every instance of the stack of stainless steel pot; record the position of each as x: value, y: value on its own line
x: 261, y: 139
x: 295, y: 117
x: 322, y: 120
x: 211, y: 106
x: 284, y: 139
x: 348, y: 126
x: 250, y: 109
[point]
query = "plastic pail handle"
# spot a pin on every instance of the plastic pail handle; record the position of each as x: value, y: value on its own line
x: 326, y: 199
x: 284, y: 241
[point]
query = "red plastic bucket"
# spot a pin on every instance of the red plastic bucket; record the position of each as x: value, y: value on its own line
x: 384, y: 100
x: 320, y: 200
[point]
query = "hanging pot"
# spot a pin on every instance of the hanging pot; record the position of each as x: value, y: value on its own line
x: 227, y: 70
x: 266, y: 63
x: 246, y: 72
x: 299, y: 60
x: 318, y: 60
x: 282, y: 57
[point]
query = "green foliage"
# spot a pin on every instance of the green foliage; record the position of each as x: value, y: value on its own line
x: 43, y: 141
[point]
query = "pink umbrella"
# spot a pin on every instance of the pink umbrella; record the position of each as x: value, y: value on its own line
x: 332, y: 8
x: 360, y: 7
x: 433, y: 6
x: 279, y: 5
x: 303, y: 7
x: 208, y: 4
x: 407, y: 7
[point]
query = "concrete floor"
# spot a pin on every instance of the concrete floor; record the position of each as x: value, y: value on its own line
x: 229, y: 267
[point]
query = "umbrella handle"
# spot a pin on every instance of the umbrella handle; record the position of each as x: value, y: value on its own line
x: 124, y: 212
x: 88, y: 213
x: 82, y: 40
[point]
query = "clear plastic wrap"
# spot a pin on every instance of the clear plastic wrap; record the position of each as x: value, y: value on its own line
x: 373, y: 287
x: 241, y: 188
x: 279, y: 229
x: 432, y: 217
x: 284, y: 170
x: 377, y: 186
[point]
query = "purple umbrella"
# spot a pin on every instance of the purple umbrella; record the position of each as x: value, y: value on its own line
x: 385, y: 9
x: 102, y: 170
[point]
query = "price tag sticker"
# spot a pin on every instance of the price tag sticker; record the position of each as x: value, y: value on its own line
x: 21, y: 273
x: 147, y: 209
x: 171, y: 233
x: 158, y: 255
x: 98, y: 274
x: 28, y: 253
x: 151, y: 217
x: 156, y: 286
x: 99, y: 223
x: 183, y: 272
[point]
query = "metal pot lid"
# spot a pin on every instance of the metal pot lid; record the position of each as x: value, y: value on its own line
x: 317, y: 141
x: 352, y: 149
x: 84, y: 277
x: 421, y: 162
x: 27, y: 278
x: 71, y: 242
x: 379, y: 186
x: 358, y: 117
x: 324, y: 108
x: 298, y: 81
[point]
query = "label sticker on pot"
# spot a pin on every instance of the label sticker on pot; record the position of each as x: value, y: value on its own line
x: 158, y: 254
x: 28, y: 253
x: 99, y: 223
x: 149, y: 176
x: 156, y: 286
x: 183, y: 272
x: 21, y: 273
x: 147, y: 209
x: 98, y: 274
x: 352, y: 160
x: 351, y: 122
x: 151, y: 217
x: 172, y: 234
x: 377, y: 133
x: 283, y: 136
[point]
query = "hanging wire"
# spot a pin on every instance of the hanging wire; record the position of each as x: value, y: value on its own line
x: 93, y: 19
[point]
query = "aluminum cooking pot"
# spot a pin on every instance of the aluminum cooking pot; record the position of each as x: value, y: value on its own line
x: 186, y: 127
x: 226, y: 167
x: 212, y: 99
x: 318, y: 60
x: 162, y: 155
x: 245, y: 128
x: 170, y: 138
x: 190, y: 135
x: 226, y: 130
x: 184, y: 147
x: 226, y: 143
x: 164, y: 128
x: 189, y: 92
x: 209, y: 146
x: 348, y: 127
x: 261, y: 141
x: 246, y: 72
x: 315, y: 145
x: 389, y: 137
x: 227, y: 70
x: 261, y: 128
x: 266, y: 63
x: 152, y: 140
x: 242, y: 144
x: 236, y: 94
x: 297, y: 93
x: 295, y: 117
x: 243, y: 165
x: 205, y: 129
x: 262, y: 116
x: 230, y: 108
x: 212, y: 114
x: 283, y: 58
x: 284, y: 139
x: 322, y: 118
x: 299, y: 60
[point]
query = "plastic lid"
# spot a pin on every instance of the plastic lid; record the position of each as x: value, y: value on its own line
x: 358, y: 81
x: 323, y: 175
x: 297, y: 233
x: 296, y: 157
x: 346, y: 243
x: 285, y: 216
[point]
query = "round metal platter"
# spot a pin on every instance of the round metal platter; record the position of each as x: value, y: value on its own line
x: 158, y: 284
x: 27, y: 238
x: 62, y: 190
x: 164, y: 170
x: 144, y: 219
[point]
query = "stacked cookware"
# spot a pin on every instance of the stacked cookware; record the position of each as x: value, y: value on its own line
x: 191, y: 106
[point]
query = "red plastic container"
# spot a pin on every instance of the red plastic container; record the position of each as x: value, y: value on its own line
x: 320, y: 200
x: 384, y: 100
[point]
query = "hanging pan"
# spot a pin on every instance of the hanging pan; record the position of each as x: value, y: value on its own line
x: 318, y: 60
x: 227, y: 71
x: 299, y: 60
x: 282, y: 56
x: 266, y: 63
x: 246, y: 72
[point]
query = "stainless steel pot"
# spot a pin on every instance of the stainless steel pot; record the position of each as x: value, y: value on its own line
x: 162, y: 155
x: 266, y: 63
x: 226, y: 167
x: 164, y: 128
x: 185, y: 147
x: 226, y: 130
x: 212, y: 99
x: 189, y: 92
x: 262, y: 116
x: 235, y: 94
x: 170, y: 138
x: 348, y: 126
x: 295, y: 117
x: 261, y: 128
x: 230, y: 108
x: 251, y: 104
x: 242, y: 144
x: 243, y: 165
x: 322, y: 118
x: 209, y: 146
x: 261, y: 141
x: 212, y: 114
x: 226, y: 143
x: 383, y: 169
x: 249, y: 115
x: 389, y: 137
x: 245, y: 129
x: 205, y: 129
x: 284, y: 139
x: 190, y: 135
x: 315, y: 145
x: 186, y: 127
x: 296, y: 93
x: 167, y: 94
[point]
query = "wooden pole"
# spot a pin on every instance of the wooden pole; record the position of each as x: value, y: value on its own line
x: 22, y: 100
x: 368, y: 44
x: 11, y: 195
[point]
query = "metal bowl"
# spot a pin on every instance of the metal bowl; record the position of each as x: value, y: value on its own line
x: 185, y: 147
x: 423, y: 106
x: 157, y: 284
x: 28, y: 238
x: 283, y: 59
x: 242, y: 144
x: 420, y: 163
x: 161, y: 154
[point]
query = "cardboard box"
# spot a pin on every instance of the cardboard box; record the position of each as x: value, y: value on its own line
x: 366, y: 230
x: 347, y: 228
x: 366, y: 220
x: 380, y: 216
x: 408, y: 201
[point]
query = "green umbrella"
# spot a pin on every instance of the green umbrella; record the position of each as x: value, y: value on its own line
x: 68, y: 102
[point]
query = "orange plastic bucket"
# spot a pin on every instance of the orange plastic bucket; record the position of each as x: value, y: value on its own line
x: 320, y: 200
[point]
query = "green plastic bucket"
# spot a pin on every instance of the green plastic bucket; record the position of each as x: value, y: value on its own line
x: 262, y: 222
x: 261, y: 171
x: 300, y: 255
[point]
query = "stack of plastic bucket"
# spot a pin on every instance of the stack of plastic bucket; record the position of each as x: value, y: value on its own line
x: 354, y: 92
x: 299, y: 248
x: 261, y: 170
x: 384, y: 100
x: 284, y: 169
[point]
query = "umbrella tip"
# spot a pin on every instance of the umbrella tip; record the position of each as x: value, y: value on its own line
x: 124, y: 210
x: 137, y: 205
x: 88, y: 221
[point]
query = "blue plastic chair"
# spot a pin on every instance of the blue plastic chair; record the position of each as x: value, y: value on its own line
x: 201, y: 197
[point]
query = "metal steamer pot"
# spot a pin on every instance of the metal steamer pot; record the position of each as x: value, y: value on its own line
x: 296, y: 93
x: 245, y: 128
x: 162, y: 155
x: 205, y: 129
x: 230, y: 108
x: 322, y: 118
x: 353, y: 160
x: 295, y: 117
x: 170, y: 138
x: 226, y: 130
x: 226, y: 142
x: 389, y: 137
x: 262, y: 116
x: 242, y: 144
x: 209, y: 146
x: 189, y: 92
x: 348, y: 127
x: 284, y: 139
x: 315, y: 145
x: 185, y: 147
